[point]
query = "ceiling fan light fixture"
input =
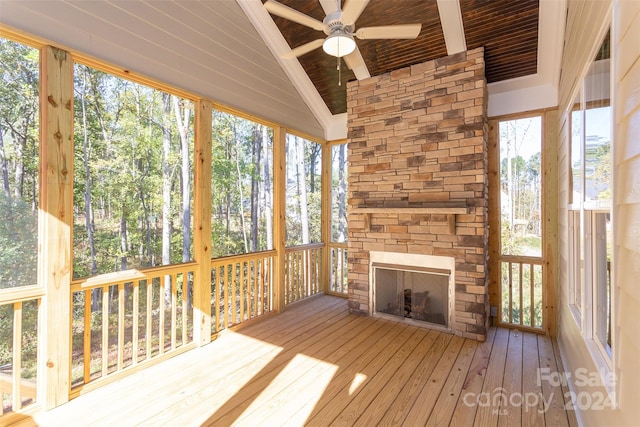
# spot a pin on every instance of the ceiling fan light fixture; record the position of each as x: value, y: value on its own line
x: 339, y: 44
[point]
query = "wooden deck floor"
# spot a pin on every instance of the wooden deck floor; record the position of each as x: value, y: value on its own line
x: 318, y: 365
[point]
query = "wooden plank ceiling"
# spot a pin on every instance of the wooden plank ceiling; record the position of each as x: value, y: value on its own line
x: 507, y: 29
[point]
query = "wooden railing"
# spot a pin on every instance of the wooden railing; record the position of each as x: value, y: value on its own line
x: 241, y: 288
x: 521, y: 287
x: 129, y: 318
x: 18, y: 373
x: 338, y: 280
x: 302, y: 272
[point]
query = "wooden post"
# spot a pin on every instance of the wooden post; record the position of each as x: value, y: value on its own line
x: 494, y: 216
x: 550, y: 221
x: 55, y: 224
x: 202, y: 221
x: 325, y: 266
x: 279, y: 214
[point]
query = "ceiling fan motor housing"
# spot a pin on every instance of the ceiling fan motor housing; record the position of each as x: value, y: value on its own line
x: 334, y: 24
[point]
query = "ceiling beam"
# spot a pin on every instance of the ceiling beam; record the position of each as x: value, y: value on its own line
x: 452, y: 26
x: 274, y: 40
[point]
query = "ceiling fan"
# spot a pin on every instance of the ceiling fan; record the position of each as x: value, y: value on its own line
x: 339, y: 26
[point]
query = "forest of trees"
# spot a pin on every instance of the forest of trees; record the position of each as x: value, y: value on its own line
x: 19, y: 157
x: 133, y: 176
x: 304, y: 191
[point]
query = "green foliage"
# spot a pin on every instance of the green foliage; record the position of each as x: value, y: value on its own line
x: 241, y: 185
x: 119, y: 157
x: 304, y: 209
x: 18, y: 244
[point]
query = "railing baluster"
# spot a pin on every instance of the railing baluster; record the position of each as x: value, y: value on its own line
x: 86, y: 336
x: 510, y: 292
x: 521, y: 291
x: 243, y: 293
x: 174, y: 307
x: 532, y: 292
x: 17, y: 356
x: 135, y: 314
x: 185, y: 315
x: 120, y: 326
x: 105, y: 331
x: 149, y: 325
x: 161, y: 302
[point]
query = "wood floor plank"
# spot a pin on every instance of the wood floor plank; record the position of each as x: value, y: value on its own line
x: 466, y: 407
x: 370, y: 387
x: 345, y: 377
x: 380, y: 375
x: 446, y: 403
x: 240, y: 386
x: 510, y: 411
x: 403, y: 402
x: 222, y: 357
x: 571, y: 413
x: 554, y: 414
x: 276, y: 389
x: 532, y: 415
x: 316, y: 364
x: 367, y: 366
x: 390, y: 391
x: 429, y: 394
x: 487, y: 414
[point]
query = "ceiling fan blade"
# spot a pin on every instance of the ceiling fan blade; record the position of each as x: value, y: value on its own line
x: 302, y: 49
x: 406, y: 31
x: 286, y: 12
x: 329, y: 6
x: 352, y: 11
x: 355, y: 62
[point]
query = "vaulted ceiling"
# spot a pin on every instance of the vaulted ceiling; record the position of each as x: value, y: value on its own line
x: 507, y: 29
x: 230, y: 50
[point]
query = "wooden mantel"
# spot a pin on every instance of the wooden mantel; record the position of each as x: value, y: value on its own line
x: 450, y: 213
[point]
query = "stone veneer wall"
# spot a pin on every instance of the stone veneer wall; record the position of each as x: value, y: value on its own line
x: 418, y: 138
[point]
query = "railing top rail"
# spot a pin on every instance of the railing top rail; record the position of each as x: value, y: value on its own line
x: 344, y: 245
x: 522, y: 259
x: 130, y: 275
x: 242, y: 257
x: 298, y: 248
x: 23, y: 293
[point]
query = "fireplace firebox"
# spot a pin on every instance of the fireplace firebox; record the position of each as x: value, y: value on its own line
x: 413, y: 288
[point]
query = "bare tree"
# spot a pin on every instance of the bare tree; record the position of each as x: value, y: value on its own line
x: 302, y: 189
x: 268, y: 197
x: 256, y: 154
x: 182, y: 121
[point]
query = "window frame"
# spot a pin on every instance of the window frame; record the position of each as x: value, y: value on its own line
x: 582, y: 265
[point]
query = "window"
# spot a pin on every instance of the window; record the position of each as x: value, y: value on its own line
x: 338, y: 277
x: 339, y: 173
x: 304, y: 197
x: 520, y: 193
x: 590, y: 236
x: 242, y: 186
x: 19, y: 201
x: 19, y: 164
x: 133, y: 168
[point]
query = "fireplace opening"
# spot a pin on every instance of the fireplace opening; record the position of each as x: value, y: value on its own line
x: 421, y: 294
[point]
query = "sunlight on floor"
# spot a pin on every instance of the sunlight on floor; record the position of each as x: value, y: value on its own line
x: 358, y: 380
x: 290, y: 390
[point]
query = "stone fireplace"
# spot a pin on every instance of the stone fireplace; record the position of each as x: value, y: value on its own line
x: 417, y: 152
